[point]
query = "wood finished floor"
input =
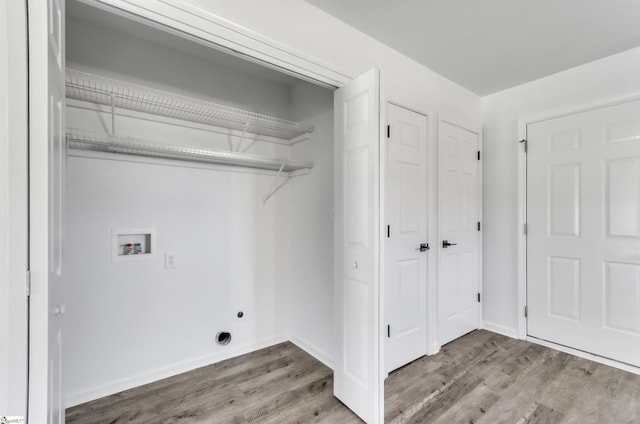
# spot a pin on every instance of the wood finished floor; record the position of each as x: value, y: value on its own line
x: 480, y: 378
x: 279, y: 384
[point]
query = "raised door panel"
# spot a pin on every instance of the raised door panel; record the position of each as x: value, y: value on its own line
x: 56, y: 178
x: 622, y: 297
x: 357, y: 200
x: 408, y: 199
x: 55, y: 29
x: 564, y: 200
x: 563, y: 280
x: 409, y: 281
x: 357, y: 346
x: 622, y: 202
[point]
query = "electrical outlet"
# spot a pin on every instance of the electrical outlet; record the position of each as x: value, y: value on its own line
x: 170, y: 260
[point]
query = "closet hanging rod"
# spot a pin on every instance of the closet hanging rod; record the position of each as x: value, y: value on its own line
x: 86, y: 140
x: 108, y: 91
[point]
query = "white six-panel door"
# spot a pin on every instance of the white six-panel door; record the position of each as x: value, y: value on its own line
x: 405, y: 269
x: 458, y: 216
x: 357, y: 372
x: 583, y: 241
x: 46, y: 192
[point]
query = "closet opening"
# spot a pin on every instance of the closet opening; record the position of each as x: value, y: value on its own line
x: 230, y: 163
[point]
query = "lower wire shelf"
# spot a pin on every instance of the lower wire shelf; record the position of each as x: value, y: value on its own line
x: 86, y: 140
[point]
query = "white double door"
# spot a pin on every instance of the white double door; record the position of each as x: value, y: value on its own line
x: 405, y: 277
x: 405, y: 261
x: 583, y: 241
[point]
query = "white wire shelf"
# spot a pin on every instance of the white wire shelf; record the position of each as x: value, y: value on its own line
x: 87, y: 140
x: 119, y: 94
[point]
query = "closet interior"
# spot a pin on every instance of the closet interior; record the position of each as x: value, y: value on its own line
x: 198, y: 205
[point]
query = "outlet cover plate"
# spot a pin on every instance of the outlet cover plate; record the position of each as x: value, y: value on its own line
x: 170, y: 260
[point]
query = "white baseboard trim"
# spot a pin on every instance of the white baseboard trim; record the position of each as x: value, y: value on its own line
x: 500, y: 329
x: 586, y: 355
x: 78, y: 398
x: 312, y: 350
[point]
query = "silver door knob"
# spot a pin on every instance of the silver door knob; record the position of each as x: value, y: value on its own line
x: 59, y: 310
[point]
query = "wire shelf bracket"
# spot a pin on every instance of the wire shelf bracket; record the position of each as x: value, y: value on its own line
x: 275, y: 186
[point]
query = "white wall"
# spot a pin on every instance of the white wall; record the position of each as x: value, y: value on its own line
x: 311, y: 228
x: 128, y: 323
x: 588, y: 85
x: 13, y: 209
x: 145, y: 56
x: 318, y: 35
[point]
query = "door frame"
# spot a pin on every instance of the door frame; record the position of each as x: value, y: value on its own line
x: 522, y: 220
x: 476, y: 129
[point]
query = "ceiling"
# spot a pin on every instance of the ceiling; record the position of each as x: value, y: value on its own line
x: 490, y: 45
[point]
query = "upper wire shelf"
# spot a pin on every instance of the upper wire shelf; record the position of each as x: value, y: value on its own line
x: 87, y: 140
x: 115, y: 93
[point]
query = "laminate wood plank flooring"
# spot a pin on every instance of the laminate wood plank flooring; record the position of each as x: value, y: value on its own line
x: 486, y: 378
x: 279, y: 384
x: 481, y: 378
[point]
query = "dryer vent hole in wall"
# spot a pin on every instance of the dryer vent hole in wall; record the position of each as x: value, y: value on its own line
x: 223, y: 338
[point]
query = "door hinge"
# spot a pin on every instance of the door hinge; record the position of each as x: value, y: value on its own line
x: 478, y: 154
x: 388, y: 131
x: 28, y: 283
x: 478, y: 225
x: 388, y: 331
x: 388, y: 231
x: 526, y: 312
x: 524, y: 228
x: 478, y: 297
x: 524, y: 143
